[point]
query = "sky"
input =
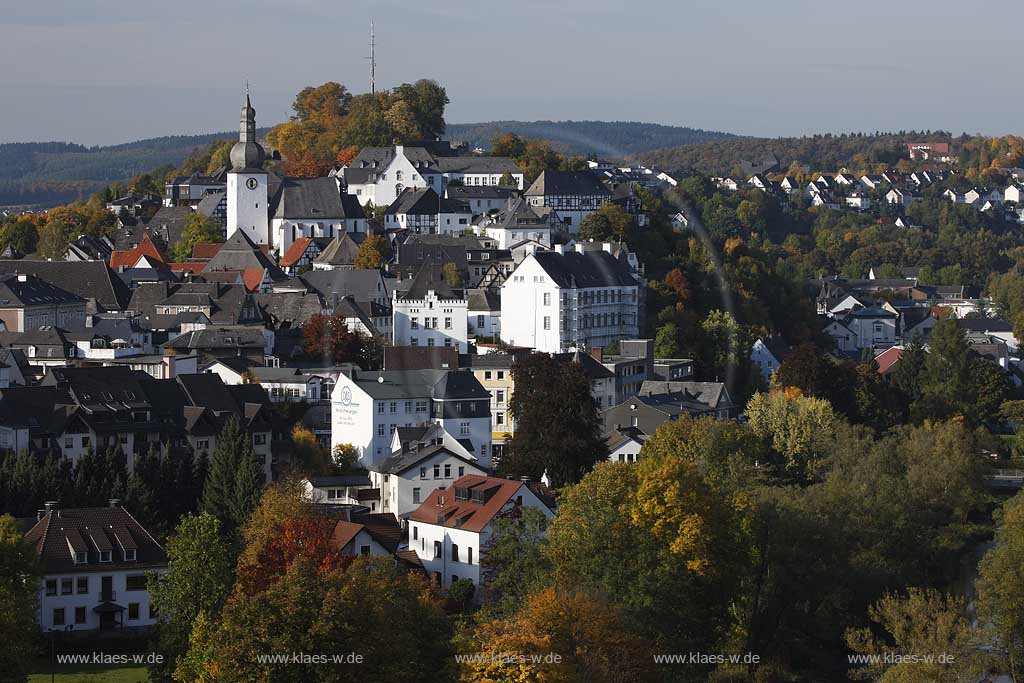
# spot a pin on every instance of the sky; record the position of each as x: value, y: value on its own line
x: 108, y: 71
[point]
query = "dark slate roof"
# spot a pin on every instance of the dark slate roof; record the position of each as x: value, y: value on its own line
x: 467, y: 192
x: 460, y: 384
x: 425, y: 202
x: 340, y: 480
x: 169, y: 223
x: 873, y: 312
x: 427, y: 280
x: 483, y: 300
x: 111, y: 528
x: 220, y: 337
x: 520, y: 215
x: 417, y: 383
x: 706, y: 393
x: 333, y: 285
x: 312, y: 198
x: 984, y: 325
x: 289, y: 309
x: 477, y: 164
x: 591, y: 368
x: 589, y: 269
x: 340, y: 251
x: 226, y: 301
x: 567, y: 183
x: 409, y: 458
x: 29, y: 290
x: 91, y: 280
x: 241, y: 254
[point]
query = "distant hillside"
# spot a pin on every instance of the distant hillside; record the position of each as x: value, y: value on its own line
x: 819, y: 152
x: 52, y: 173
x: 605, y: 138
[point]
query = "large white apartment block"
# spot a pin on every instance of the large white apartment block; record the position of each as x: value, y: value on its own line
x: 430, y: 313
x: 367, y: 408
x: 452, y: 526
x: 95, y: 563
x: 563, y: 300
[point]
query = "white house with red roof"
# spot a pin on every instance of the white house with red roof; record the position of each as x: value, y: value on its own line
x: 453, y: 525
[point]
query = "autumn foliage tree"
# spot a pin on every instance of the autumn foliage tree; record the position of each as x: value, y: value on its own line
x: 328, y: 337
x: 373, y: 252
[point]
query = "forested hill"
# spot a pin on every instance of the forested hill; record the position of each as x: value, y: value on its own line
x: 52, y: 173
x: 819, y: 152
x: 604, y: 138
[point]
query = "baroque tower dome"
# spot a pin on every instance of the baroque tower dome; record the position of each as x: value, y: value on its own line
x: 247, y: 154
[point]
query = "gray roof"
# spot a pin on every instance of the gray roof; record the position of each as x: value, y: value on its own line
x: 360, y: 284
x: 240, y: 253
x: 169, y: 223
x: 419, y: 384
x: 426, y: 281
x: 91, y: 280
x: 425, y: 202
x: 588, y: 269
x: 289, y: 309
x: 483, y: 300
x: 220, y: 337
x: 478, y: 164
x: 567, y: 183
x: 341, y: 251
x: 314, y: 199
x: 28, y: 290
x: 467, y: 192
x: 707, y: 393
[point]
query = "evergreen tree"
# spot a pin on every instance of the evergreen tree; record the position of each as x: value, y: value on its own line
x: 232, y: 480
x: 559, y: 429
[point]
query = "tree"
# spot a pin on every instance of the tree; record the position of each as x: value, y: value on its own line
x: 1000, y: 588
x: 906, y: 377
x: 506, y: 180
x: 21, y: 235
x: 791, y: 423
x: 345, y: 458
x: 308, y: 454
x: 327, y: 337
x: 234, y: 480
x: 511, y: 562
x: 666, y: 341
x: 19, y: 580
x: 198, y: 228
x: 373, y: 252
x: 53, y: 240
x: 451, y: 274
x: 924, y: 623
x: 559, y: 429
x: 610, y: 222
x: 589, y: 636
x: 197, y: 581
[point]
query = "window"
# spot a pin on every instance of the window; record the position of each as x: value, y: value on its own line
x: 447, y: 471
x: 393, y: 407
x: 455, y: 553
x: 462, y: 471
x: 499, y: 418
x: 380, y: 407
x: 67, y: 587
x: 135, y: 582
x: 547, y: 298
x: 380, y: 429
x: 415, y: 324
x: 83, y: 585
x: 480, y: 321
x: 437, y: 550
x: 129, y: 555
x: 447, y: 323
x: 423, y: 473
x: 58, y: 616
x: 487, y: 374
x: 51, y: 586
x: 133, y: 611
x: 408, y: 406
x: 469, y: 555
x: 79, y: 615
x: 364, y: 550
x: 501, y: 374
x: 81, y: 557
x: 415, y: 533
x: 437, y: 471
x: 416, y: 495
x: 421, y: 406
x: 106, y: 556
x: 547, y: 322
x: 259, y: 439
x: 464, y: 429
x: 499, y: 396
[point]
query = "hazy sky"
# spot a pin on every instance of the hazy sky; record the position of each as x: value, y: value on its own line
x: 108, y: 71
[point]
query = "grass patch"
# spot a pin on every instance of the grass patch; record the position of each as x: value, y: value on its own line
x: 90, y: 673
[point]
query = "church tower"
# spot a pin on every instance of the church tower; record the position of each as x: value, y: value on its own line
x: 247, y: 182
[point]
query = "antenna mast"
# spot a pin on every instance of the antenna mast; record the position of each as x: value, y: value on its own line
x: 373, y: 63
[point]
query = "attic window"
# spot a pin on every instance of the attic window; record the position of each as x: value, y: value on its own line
x: 129, y: 554
x: 106, y: 556
x: 81, y: 558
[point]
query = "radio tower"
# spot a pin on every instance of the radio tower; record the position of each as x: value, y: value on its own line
x: 373, y: 63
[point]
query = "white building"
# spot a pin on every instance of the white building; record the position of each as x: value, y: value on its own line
x: 379, y: 174
x: 94, y: 563
x: 452, y: 526
x: 430, y: 313
x: 562, y: 300
x: 368, y: 407
x: 519, y: 223
x: 424, y: 212
x: 313, y: 208
x: 422, y: 460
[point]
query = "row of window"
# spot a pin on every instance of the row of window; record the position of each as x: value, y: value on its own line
x: 430, y: 323
x: 421, y: 406
x: 80, y: 585
x: 438, y: 548
x: 80, y: 614
x: 437, y: 472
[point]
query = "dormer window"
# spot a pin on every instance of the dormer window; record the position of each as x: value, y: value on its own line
x: 106, y: 556
x: 129, y: 555
x: 81, y: 558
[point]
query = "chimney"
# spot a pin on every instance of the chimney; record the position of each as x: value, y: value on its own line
x: 525, y: 480
x: 40, y: 514
x: 115, y: 502
x: 49, y: 506
x: 22, y: 277
x: 597, y: 353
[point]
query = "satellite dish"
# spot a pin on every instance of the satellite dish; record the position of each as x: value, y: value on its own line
x: 380, y: 379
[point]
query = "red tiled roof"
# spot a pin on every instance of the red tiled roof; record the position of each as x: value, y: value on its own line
x: 442, y: 507
x: 344, y: 533
x: 205, y: 250
x: 887, y: 359
x: 295, y: 251
x: 252, y: 278
x: 127, y: 258
x: 192, y: 267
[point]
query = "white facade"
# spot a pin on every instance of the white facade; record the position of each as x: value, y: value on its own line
x: 287, y: 230
x: 430, y: 321
x: 452, y: 554
x: 389, y: 181
x: 402, y: 492
x: 68, y: 599
x: 247, y: 205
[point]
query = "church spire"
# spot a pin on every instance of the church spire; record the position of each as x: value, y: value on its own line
x: 247, y: 153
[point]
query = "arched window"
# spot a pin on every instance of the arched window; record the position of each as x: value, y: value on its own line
x: 398, y: 188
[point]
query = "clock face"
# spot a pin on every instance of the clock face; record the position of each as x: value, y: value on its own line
x: 251, y: 183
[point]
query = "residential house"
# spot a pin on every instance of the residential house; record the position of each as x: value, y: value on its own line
x: 574, y: 195
x: 430, y: 313
x: 767, y: 354
x: 422, y: 211
x: 28, y: 303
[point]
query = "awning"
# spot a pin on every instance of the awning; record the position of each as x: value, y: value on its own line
x: 107, y: 608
